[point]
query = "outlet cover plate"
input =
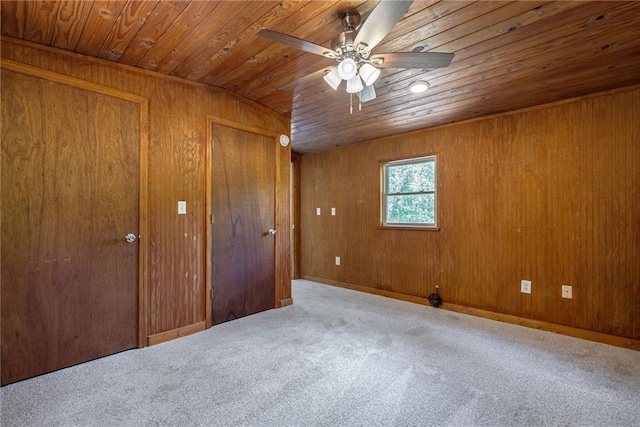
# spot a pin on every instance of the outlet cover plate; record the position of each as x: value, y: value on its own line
x: 525, y: 286
x: 567, y: 291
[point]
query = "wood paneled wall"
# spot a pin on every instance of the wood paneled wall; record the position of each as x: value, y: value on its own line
x: 178, y: 123
x: 295, y: 215
x: 548, y: 194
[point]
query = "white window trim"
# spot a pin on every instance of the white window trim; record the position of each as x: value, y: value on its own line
x: 384, y: 194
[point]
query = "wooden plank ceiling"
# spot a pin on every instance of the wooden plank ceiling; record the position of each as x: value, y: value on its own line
x: 508, y: 54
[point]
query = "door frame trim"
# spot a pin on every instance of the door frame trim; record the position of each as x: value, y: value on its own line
x: 216, y: 120
x: 143, y: 105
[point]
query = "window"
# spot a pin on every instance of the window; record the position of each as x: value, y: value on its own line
x: 409, y: 193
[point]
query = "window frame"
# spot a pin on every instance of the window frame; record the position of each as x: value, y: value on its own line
x: 384, y: 180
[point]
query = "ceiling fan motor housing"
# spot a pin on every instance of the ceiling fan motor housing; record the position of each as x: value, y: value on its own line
x: 344, y: 42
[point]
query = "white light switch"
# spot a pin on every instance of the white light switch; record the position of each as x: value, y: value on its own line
x: 182, y: 207
x: 337, y: 260
x: 333, y: 211
x: 318, y: 211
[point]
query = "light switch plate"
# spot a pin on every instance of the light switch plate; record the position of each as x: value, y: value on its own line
x: 337, y: 260
x: 567, y: 291
x: 525, y: 286
x: 318, y: 211
x: 182, y: 207
x: 333, y: 211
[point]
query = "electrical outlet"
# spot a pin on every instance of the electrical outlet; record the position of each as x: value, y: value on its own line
x: 567, y: 291
x: 337, y: 260
x: 525, y: 286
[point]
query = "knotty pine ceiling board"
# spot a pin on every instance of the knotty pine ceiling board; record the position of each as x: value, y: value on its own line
x: 538, y: 52
x: 508, y: 54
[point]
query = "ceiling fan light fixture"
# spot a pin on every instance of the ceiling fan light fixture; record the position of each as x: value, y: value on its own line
x: 333, y: 78
x: 419, y: 86
x: 347, y: 68
x: 353, y: 49
x: 354, y: 84
x: 369, y: 74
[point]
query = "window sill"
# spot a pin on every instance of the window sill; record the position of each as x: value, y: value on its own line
x: 407, y: 227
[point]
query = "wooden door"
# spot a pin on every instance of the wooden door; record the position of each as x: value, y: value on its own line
x: 243, y: 199
x: 70, y: 188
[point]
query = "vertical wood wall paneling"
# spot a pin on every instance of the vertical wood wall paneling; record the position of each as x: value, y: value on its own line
x: 177, y: 135
x: 545, y: 194
x: 295, y: 209
x: 283, y: 224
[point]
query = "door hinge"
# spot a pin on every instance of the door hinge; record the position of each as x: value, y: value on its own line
x: 211, y: 293
x: 211, y: 218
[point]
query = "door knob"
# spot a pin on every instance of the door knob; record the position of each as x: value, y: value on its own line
x: 130, y: 238
x: 272, y: 232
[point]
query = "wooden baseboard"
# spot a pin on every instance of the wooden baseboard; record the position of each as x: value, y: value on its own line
x: 507, y: 318
x: 175, y: 333
x: 381, y: 292
x: 285, y: 302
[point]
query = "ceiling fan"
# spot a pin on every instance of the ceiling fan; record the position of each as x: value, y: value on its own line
x: 352, y: 49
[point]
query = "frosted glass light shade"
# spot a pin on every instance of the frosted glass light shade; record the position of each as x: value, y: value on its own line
x: 354, y: 84
x: 367, y: 93
x: 419, y: 86
x: 333, y: 78
x: 347, y: 69
x: 369, y: 74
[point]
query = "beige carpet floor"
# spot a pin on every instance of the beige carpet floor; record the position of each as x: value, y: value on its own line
x: 343, y: 358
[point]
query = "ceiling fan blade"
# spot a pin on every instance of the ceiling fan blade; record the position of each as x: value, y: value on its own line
x: 412, y: 59
x: 367, y: 93
x: 309, y: 78
x: 295, y: 42
x: 381, y: 20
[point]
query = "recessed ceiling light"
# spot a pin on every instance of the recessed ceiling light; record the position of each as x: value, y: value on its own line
x: 421, y: 47
x: 419, y: 86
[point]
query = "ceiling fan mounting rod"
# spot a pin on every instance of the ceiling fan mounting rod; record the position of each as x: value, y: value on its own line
x: 350, y: 19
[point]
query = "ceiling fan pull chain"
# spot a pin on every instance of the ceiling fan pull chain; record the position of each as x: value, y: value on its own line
x: 359, y: 104
x: 350, y: 103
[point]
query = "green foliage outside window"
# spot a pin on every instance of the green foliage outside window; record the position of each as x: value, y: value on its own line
x: 409, y: 193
